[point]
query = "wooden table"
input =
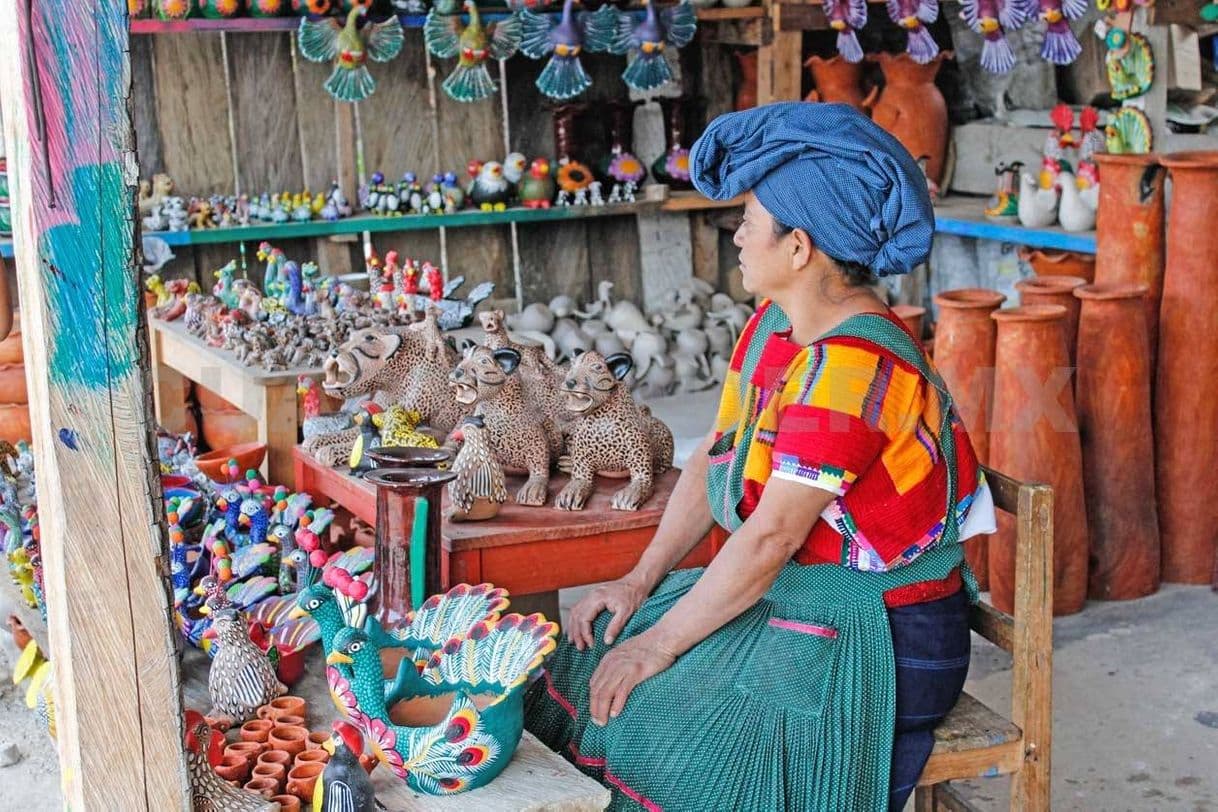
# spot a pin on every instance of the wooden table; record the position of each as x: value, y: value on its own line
x: 526, y: 550
x: 268, y: 397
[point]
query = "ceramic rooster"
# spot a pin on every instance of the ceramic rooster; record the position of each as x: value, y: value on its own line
x: 344, y: 786
x: 1076, y: 211
x: 563, y: 40
x: 472, y: 44
x: 350, y: 47
x: 208, y: 791
x: 479, y: 489
x: 992, y: 19
x: 241, y: 679
x: 1037, y: 206
x: 537, y: 186
x: 847, y: 17
x: 1059, y: 146
x: 914, y: 16
x: 1061, y: 47
x: 646, y: 41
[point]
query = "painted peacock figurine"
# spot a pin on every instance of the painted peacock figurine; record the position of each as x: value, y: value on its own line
x: 349, y: 46
x: 563, y: 40
x: 646, y: 42
x: 473, y: 44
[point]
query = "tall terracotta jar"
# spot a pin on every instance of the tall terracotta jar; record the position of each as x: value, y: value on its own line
x: 912, y: 108
x: 746, y: 91
x: 1055, y: 290
x: 1129, y: 230
x: 836, y: 80
x: 1059, y: 263
x: 1114, y: 422
x: 1186, y: 393
x: 964, y: 356
x: 1034, y: 438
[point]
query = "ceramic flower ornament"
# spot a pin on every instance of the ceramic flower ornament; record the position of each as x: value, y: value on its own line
x: 992, y: 19
x: 847, y: 17
x: 914, y: 16
x: 473, y: 44
x: 563, y: 40
x: 350, y: 47
x: 647, y: 41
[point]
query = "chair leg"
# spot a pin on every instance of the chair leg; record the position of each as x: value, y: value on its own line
x: 924, y: 799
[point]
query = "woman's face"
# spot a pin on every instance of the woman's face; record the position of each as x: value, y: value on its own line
x: 765, y: 257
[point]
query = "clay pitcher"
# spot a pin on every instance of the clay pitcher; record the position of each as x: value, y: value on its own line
x: 912, y: 108
x: 1186, y: 387
x: 1114, y: 422
x: 746, y: 93
x: 1059, y: 263
x: 1129, y: 230
x: 408, y: 544
x: 837, y: 80
x: 1034, y: 438
x: 1055, y: 290
x: 964, y: 356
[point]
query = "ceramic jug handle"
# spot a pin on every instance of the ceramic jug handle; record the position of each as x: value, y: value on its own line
x: 871, y: 99
x: 1146, y: 187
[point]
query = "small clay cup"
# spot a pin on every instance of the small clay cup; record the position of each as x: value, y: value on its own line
x: 256, y: 730
x: 301, y: 780
x: 290, y: 739
x: 275, y: 772
x: 288, y: 720
x: 316, y: 739
x: 315, y: 756
x: 276, y: 757
x: 289, y: 705
x: 246, y: 750
x: 233, y: 768
x: 262, y: 786
x: 287, y: 803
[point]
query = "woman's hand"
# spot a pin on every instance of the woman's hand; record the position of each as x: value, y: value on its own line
x: 622, y: 598
x: 621, y: 671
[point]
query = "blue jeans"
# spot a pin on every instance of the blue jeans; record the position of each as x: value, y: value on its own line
x: 931, y: 646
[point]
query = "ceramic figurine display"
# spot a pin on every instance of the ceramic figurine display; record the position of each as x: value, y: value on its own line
x: 540, y: 377
x: 1005, y: 205
x: 562, y: 40
x: 345, y: 785
x: 349, y: 47
x: 399, y: 428
x: 1037, y: 206
x: 241, y: 678
x: 472, y: 44
x: 1060, y: 47
x: 992, y: 19
x: 914, y: 16
x: 1128, y: 132
x: 537, y: 186
x: 208, y: 791
x: 847, y: 18
x: 488, y: 189
x: 478, y: 489
x: 644, y: 43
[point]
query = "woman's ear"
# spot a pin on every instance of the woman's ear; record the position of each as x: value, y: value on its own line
x: 801, y: 248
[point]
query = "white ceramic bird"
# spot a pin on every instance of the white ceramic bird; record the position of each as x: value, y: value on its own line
x: 1037, y: 207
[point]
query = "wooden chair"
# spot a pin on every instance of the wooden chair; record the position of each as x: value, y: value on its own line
x: 975, y: 741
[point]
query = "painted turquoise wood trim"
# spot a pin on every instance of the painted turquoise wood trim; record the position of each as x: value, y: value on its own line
x: 1035, y: 238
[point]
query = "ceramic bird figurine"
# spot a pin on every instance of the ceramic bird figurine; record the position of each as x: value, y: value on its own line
x: 563, y: 40
x: 1037, y: 206
x: 208, y: 791
x: 514, y: 167
x: 489, y: 189
x: 350, y: 47
x: 1061, y: 47
x: 847, y: 17
x: 368, y: 437
x: 473, y: 45
x: 241, y: 678
x: 1079, y: 201
x: 646, y: 41
x: 345, y: 786
x: 914, y: 16
x: 992, y: 19
x: 479, y: 489
x: 537, y: 187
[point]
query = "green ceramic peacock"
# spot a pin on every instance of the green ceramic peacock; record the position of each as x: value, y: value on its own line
x: 460, y: 732
x: 473, y: 44
x: 349, y: 47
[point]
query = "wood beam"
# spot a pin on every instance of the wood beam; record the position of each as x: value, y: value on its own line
x: 65, y: 82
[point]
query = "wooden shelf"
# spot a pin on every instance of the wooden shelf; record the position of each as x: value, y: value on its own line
x: 694, y: 201
x: 963, y: 216
x: 711, y: 15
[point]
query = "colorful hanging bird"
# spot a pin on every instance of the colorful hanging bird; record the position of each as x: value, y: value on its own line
x: 563, y: 40
x: 847, y: 17
x: 473, y: 44
x: 914, y: 16
x: 349, y: 47
x: 1061, y: 47
x: 675, y: 26
x: 992, y: 19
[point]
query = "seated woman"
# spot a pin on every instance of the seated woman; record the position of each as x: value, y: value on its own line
x: 808, y: 665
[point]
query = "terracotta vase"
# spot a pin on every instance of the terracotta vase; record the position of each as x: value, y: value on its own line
x: 287, y: 803
x: 1034, y: 438
x: 408, y: 547
x: 1186, y: 383
x: 1059, y: 263
x: 1129, y: 234
x: 964, y: 357
x: 301, y: 780
x: 290, y: 739
x: 1055, y: 290
x: 12, y: 384
x: 912, y: 315
x: 912, y: 108
x: 836, y: 80
x: 746, y: 92
x: 14, y: 422
x: 233, y: 768
x: 1114, y: 422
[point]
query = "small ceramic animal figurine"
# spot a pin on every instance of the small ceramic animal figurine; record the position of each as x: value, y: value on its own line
x: 914, y: 16
x: 398, y: 427
x: 1037, y: 206
x: 675, y: 26
x: 156, y: 193
x: 847, y: 18
x: 1078, y: 203
x: 223, y: 289
x: 539, y: 376
x: 368, y: 437
x: 1005, y: 204
x: 345, y: 785
x: 1061, y: 47
x: 609, y: 433
x: 1128, y: 132
x: 208, y: 791
x: 992, y: 19
x: 563, y: 40
x: 478, y: 490
x: 473, y: 45
x: 489, y: 189
x: 514, y: 166
x: 349, y: 47
x: 537, y: 186
x: 241, y: 679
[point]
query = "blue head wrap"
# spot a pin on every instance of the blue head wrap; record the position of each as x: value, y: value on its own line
x: 825, y: 168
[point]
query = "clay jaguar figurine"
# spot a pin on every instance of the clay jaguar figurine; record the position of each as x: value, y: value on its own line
x: 539, y: 375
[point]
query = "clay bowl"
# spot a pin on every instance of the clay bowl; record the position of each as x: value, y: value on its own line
x: 256, y: 730
x: 301, y: 780
x: 408, y: 457
x: 277, y: 757
x: 233, y: 768
x: 316, y: 739
x: 287, y: 803
x: 262, y: 786
x: 288, y: 720
x: 290, y: 739
x: 246, y: 749
x: 247, y: 455
x: 314, y: 756
x: 273, y: 772
x: 289, y: 705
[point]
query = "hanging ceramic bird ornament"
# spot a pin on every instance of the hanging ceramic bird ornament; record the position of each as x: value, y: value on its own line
x: 914, y: 16
x: 847, y: 17
x: 473, y: 45
x: 349, y: 47
x: 675, y: 26
x: 992, y: 19
x: 563, y: 40
x: 1061, y: 47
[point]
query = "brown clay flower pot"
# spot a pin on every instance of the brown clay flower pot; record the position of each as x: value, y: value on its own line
x: 256, y: 730
x: 1055, y: 290
x: 316, y: 739
x: 223, y: 429
x: 262, y: 786
x: 912, y: 315
x: 316, y: 756
x: 1045, y: 262
x: 287, y: 803
x: 837, y: 80
x: 1129, y: 230
x: 283, y: 759
x: 274, y: 772
x: 1034, y: 438
x: 290, y: 705
x: 1114, y: 422
x: 301, y: 780
x: 290, y: 739
x: 246, y: 749
x: 233, y: 768
x: 1186, y: 385
x: 964, y: 357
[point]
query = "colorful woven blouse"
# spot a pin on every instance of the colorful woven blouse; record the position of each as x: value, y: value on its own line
x: 849, y: 417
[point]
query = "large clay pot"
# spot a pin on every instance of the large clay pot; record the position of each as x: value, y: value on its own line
x: 964, y: 357
x: 746, y: 92
x: 1114, y: 422
x: 1055, y: 290
x: 1059, y: 263
x: 1034, y: 438
x: 222, y: 429
x: 912, y: 108
x: 1186, y: 388
x: 1129, y: 230
x: 837, y: 80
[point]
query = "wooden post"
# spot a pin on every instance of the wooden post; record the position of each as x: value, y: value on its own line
x: 65, y: 82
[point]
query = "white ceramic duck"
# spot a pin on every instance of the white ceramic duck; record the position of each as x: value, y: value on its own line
x: 1077, y: 210
x: 1037, y: 207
